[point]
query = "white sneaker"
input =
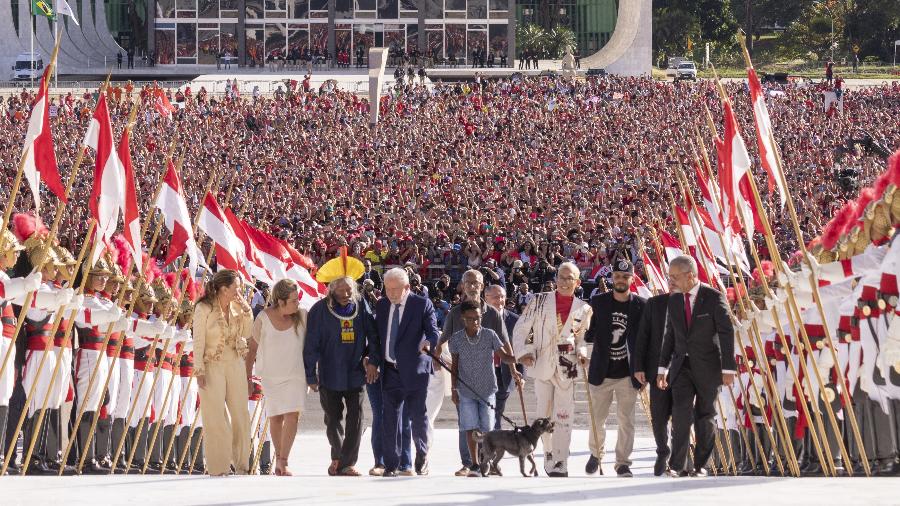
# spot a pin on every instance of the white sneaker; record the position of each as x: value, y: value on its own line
x: 548, y: 463
x: 376, y: 471
x: 463, y: 471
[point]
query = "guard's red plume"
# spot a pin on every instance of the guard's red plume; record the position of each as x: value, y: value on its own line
x: 122, y: 252
x: 26, y: 225
x: 191, y: 288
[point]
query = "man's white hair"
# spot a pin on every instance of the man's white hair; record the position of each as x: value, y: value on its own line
x: 354, y: 288
x: 685, y: 263
x: 571, y: 267
x: 495, y: 288
x: 473, y: 272
x: 397, y: 274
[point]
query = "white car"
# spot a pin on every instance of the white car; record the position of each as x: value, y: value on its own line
x: 686, y: 70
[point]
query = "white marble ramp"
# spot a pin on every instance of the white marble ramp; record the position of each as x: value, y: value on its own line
x: 311, y: 485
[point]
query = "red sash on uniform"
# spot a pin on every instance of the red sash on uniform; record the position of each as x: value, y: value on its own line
x: 186, y: 368
x: 90, y: 338
x: 8, y: 319
x: 127, y: 352
x: 112, y: 344
x: 38, y: 334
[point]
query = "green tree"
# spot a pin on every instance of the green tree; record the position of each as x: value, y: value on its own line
x: 559, y: 39
x: 671, y: 29
x: 873, y: 25
x: 531, y: 38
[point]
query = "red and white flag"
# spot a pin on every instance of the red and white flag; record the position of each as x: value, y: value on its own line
x: 272, y: 254
x: 654, y: 276
x: 671, y: 246
x: 639, y: 288
x: 178, y: 221
x: 40, y: 159
x: 229, y: 247
x: 311, y: 290
x: 735, y: 177
x: 108, y: 195
x: 162, y: 104
x: 132, y: 217
x: 252, y: 256
x: 765, y: 135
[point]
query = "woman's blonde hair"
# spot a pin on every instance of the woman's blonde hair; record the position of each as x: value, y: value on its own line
x: 283, y: 291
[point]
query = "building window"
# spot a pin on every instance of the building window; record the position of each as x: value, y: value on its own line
x: 187, y: 42
x: 207, y: 45
x: 165, y: 46
x: 388, y: 9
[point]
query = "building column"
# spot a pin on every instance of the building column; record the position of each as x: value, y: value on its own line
x: 511, y: 35
x: 332, y: 44
x: 150, y: 23
x: 242, y: 33
x: 423, y: 37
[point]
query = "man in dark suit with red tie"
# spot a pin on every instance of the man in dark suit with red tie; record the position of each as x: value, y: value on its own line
x: 407, y: 333
x: 697, y: 357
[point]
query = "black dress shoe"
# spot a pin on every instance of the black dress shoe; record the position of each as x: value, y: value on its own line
x: 592, y: 466
x: 700, y: 473
x: 389, y: 473
x: 660, y: 466
x: 67, y: 470
x: 813, y: 469
x: 198, y: 471
x: 38, y: 467
x: 94, y: 467
x: 422, y: 464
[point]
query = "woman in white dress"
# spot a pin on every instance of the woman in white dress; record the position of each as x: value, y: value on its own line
x: 276, y: 348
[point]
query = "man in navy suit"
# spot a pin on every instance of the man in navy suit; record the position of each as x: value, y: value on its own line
x: 407, y: 333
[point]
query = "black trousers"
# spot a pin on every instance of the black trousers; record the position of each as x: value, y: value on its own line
x: 660, y: 412
x: 692, y: 404
x: 344, y: 445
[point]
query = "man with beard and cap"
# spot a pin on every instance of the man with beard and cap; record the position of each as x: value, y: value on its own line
x: 613, y: 331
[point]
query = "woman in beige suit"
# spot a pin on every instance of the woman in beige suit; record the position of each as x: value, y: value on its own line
x: 276, y: 348
x: 222, y: 322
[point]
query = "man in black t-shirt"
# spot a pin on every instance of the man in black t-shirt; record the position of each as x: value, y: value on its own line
x: 613, y: 331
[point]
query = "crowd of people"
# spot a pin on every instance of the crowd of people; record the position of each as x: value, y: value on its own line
x: 467, y: 204
x: 457, y: 175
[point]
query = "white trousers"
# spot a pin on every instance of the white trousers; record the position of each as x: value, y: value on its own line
x: 37, y: 378
x: 8, y: 379
x: 142, y: 395
x: 123, y: 391
x: 86, y: 362
x: 556, y: 401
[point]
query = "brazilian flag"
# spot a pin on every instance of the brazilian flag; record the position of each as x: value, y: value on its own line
x: 42, y: 8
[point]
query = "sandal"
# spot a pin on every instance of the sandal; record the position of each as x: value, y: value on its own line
x: 333, y: 468
x: 349, y: 471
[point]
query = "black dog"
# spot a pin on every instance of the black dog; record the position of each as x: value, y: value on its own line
x: 519, y: 442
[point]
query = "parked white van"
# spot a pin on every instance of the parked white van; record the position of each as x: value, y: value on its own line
x: 26, y: 68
